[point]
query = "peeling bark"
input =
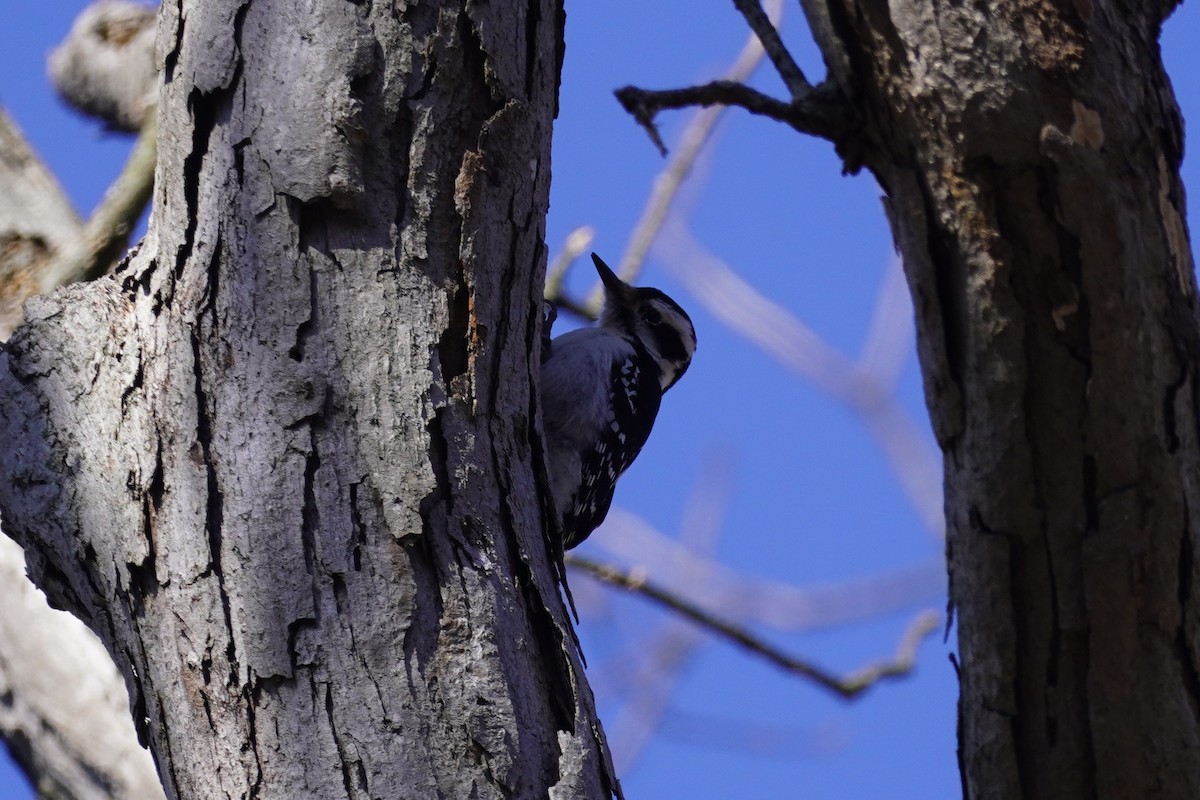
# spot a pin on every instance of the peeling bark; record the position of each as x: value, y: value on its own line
x: 1029, y: 152
x: 285, y: 461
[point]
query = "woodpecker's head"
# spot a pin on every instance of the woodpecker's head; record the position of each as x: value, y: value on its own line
x: 654, y: 319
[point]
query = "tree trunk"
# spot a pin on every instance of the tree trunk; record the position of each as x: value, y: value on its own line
x: 1029, y: 152
x: 285, y: 462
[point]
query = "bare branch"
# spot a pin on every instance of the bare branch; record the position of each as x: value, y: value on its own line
x: 779, y: 333
x: 692, y: 142
x: 644, y: 104
x: 817, y: 112
x: 639, y: 103
x: 647, y: 671
x: 577, y: 243
x: 768, y: 34
x: 888, y: 342
x: 645, y: 683
x: 902, y: 661
x: 105, y: 236
x: 783, y: 606
x: 848, y: 687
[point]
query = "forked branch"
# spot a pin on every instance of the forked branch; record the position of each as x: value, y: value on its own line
x: 818, y: 111
x: 848, y: 686
x: 776, y: 50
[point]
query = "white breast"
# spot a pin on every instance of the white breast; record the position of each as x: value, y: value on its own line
x: 575, y: 396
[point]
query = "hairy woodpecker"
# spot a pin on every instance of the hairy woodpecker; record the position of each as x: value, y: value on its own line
x: 601, y: 388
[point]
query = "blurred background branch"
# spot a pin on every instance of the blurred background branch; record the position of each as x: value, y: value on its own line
x: 104, y: 69
x: 848, y: 687
x: 696, y: 134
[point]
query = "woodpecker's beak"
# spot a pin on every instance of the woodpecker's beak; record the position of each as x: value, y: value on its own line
x: 618, y: 290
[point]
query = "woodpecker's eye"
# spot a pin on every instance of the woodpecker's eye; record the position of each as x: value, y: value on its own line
x: 651, y: 315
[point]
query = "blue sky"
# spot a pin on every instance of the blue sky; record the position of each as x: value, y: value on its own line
x: 811, y: 498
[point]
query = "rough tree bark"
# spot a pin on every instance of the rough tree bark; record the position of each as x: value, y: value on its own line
x: 285, y: 462
x: 1029, y: 152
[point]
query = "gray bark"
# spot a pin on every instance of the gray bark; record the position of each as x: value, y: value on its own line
x: 1029, y: 152
x: 285, y: 461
